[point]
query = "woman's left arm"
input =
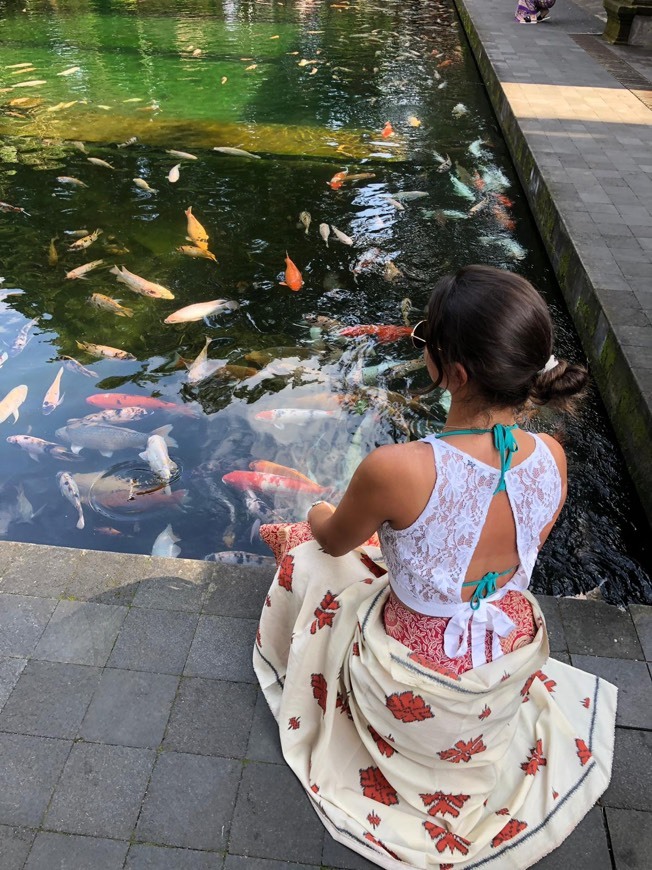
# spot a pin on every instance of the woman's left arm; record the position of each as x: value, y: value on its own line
x: 365, y: 505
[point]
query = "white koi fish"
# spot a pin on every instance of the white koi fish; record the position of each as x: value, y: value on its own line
x: 182, y: 155
x: 157, y: 456
x: 52, y: 399
x: 341, y: 237
x: 141, y: 285
x: 35, y: 447
x: 70, y: 491
x: 174, y: 174
x: 165, y: 545
x: 200, y: 310
x: 236, y: 152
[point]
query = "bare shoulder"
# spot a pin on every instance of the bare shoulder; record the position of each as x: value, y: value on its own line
x: 557, y: 452
x: 393, y: 462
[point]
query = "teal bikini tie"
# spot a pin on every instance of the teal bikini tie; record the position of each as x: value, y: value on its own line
x: 504, y: 442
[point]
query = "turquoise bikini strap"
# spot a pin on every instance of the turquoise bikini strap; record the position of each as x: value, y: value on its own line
x: 485, y: 586
x: 504, y: 442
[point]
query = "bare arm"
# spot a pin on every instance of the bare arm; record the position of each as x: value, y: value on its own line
x: 560, y: 458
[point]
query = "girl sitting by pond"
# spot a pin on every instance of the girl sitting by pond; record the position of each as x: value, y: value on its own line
x: 410, y: 676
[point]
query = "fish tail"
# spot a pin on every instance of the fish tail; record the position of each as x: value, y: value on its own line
x: 126, y: 312
x: 80, y: 521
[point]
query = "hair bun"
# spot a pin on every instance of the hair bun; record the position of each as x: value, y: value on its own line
x: 560, y: 387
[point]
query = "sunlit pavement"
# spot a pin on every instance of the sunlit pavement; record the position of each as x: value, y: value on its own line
x: 577, y: 116
x: 133, y: 734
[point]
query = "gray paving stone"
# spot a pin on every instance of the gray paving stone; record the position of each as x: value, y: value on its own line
x: 211, y: 717
x: 100, y: 791
x: 631, y: 838
x: 238, y: 862
x: 263, y: 827
x: 67, y: 852
x: 162, y: 858
x: 22, y: 621
x: 80, y: 633
x: 49, y: 699
x: 634, y: 687
x: 170, y: 592
x: 222, y: 649
x: 144, y: 643
x: 642, y: 616
x: 264, y: 743
x: 105, y: 580
x: 585, y: 849
x: 29, y: 771
x: 556, y: 637
x: 39, y: 570
x: 15, y: 843
x: 190, y: 801
x: 598, y: 629
x: 130, y: 708
x: 10, y: 670
x: 561, y: 657
x: 238, y: 591
x: 336, y: 855
x: 631, y: 780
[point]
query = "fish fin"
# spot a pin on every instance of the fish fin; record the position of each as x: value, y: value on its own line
x: 143, y: 455
x: 32, y: 456
x: 16, y: 415
x: 80, y: 522
x: 115, y: 271
x: 254, y: 530
x: 76, y: 448
x: 283, y: 284
x: 39, y: 511
x: 278, y: 425
x: 107, y: 453
x: 168, y: 490
x: 164, y: 432
x: 175, y: 550
x: 126, y: 312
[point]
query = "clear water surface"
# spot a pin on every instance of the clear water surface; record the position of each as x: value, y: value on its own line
x: 308, y: 87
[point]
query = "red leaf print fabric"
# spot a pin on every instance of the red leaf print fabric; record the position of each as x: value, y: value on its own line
x: 408, y: 707
x: 370, y: 565
x: 374, y: 820
x: 441, y: 804
x: 547, y: 682
x: 586, y: 703
x: 384, y: 747
x: 319, y: 690
x: 511, y: 829
x: 463, y: 751
x: 583, y: 752
x: 535, y: 760
x: 325, y: 613
x: 294, y: 722
x: 446, y: 839
x: 375, y: 786
x: 285, y: 573
x: 486, y: 712
x: 439, y: 669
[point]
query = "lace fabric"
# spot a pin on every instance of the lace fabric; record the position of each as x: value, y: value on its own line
x: 428, y: 561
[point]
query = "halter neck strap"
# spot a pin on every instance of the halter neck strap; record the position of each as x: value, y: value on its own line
x: 504, y: 442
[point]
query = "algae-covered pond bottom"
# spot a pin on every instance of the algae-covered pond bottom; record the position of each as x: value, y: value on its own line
x: 370, y: 118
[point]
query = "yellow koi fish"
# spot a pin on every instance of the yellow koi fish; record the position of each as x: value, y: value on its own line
x: 103, y: 350
x: 196, y: 232
x: 12, y: 402
x: 80, y: 271
x: 108, y: 304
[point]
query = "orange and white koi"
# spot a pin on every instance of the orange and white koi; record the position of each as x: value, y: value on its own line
x: 387, y: 130
x: 279, y: 417
x: 126, y: 400
x: 382, y: 333
x: 271, y: 483
x: 265, y: 467
x: 86, y: 241
x: 338, y: 180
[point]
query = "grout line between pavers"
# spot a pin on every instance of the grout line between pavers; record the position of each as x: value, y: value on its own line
x: 605, y: 823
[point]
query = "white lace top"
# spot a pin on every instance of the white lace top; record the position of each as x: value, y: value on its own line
x: 427, y: 562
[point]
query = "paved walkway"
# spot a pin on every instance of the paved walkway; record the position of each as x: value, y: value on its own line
x: 577, y: 116
x: 133, y: 735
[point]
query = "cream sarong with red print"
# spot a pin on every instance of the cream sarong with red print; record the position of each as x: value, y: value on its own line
x: 414, y: 768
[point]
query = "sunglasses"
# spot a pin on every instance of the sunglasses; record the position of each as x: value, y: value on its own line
x: 418, y: 335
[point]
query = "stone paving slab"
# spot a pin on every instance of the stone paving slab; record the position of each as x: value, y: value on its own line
x: 177, y: 765
x: 581, y: 143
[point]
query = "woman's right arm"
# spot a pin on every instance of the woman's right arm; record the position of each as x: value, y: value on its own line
x: 560, y: 458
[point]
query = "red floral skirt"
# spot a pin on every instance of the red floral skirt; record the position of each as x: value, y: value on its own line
x: 424, y: 635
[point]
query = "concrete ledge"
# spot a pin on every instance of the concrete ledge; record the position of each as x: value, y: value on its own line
x: 552, y: 100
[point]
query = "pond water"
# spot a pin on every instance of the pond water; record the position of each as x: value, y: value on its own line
x: 308, y: 88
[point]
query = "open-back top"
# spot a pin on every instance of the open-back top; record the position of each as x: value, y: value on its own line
x: 428, y: 561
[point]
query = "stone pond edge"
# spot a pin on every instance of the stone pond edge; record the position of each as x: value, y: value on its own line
x: 628, y: 406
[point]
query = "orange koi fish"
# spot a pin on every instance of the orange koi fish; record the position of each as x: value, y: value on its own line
x: 337, y: 180
x: 444, y: 64
x: 265, y: 467
x: 382, y: 333
x: 504, y: 200
x: 500, y: 213
x: 271, y: 483
x: 387, y: 130
x: 126, y: 400
x: 293, y: 278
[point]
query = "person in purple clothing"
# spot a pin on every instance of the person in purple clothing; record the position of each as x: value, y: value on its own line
x: 533, y: 11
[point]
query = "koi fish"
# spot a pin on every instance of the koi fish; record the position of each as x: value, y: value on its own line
x: 112, y: 416
x: 341, y: 237
x: 192, y: 251
x: 294, y: 416
x: 99, y: 300
x: 265, y: 467
x: 11, y: 403
x: 23, y: 338
x: 35, y: 447
x: 305, y: 219
x: 96, y: 161
x: 240, y: 557
x: 31, y: 84
x: 108, y: 439
x: 337, y: 180
x: 459, y: 110
x: 141, y: 285
x: 53, y: 256
x: 59, y: 106
x: 132, y: 139
x: 387, y: 130
x: 445, y: 164
x: 271, y: 483
x: 196, y: 232
x: 236, y: 152
x: 293, y: 278
x: 73, y: 365
x: 503, y: 218
x: 140, y: 182
x: 86, y: 241
x: 157, y: 456
x: 69, y: 71
x: 103, y: 350
x: 70, y: 491
x: 174, y: 174
x: 52, y: 399
x: 6, y: 207
x: 182, y: 155
x: 413, y: 121
x: 358, y: 176
x: 382, y: 333
x: 126, y: 400
x: 324, y: 232
x: 69, y: 179
x: 80, y: 271
x: 200, y: 310
x: 165, y: 545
